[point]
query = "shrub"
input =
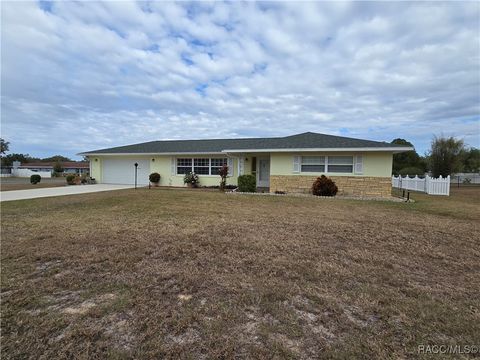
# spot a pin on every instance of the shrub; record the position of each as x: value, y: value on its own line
x: 324, y: 186
x: 192, y: 179
x: 247, y: 183
x: 223, y: 172
x: 71, y: 179
x: 411, y: 170
x: 35, y: 179
x: 154, y: 178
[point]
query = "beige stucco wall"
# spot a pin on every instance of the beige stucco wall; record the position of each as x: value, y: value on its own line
x: 375, y: 164
x: 162, y: 165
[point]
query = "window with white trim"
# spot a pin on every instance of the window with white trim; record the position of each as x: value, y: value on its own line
x: 200, y: 166
x: 216, y: 165
x: 340, y: 164
x: 327, y: 164
x: 184, y: 166
x: 313, y: 164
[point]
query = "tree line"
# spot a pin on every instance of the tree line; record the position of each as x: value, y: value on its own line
x: 446, y: 156
x: 7, y: 160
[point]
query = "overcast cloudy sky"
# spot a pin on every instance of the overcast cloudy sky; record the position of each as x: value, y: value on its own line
x: 79, y: 76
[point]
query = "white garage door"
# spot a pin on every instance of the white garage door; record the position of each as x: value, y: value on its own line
x: 122, y: 171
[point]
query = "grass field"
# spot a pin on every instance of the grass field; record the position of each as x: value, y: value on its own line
x: 9, y: 184
x: 194, y: 274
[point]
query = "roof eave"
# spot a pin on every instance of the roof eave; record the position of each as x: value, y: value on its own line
x: 393, y: 149
x: 357, y: 149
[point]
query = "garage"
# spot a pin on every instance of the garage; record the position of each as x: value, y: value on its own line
x: 122, y: 171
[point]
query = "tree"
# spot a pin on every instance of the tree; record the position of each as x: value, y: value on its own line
x: 4, y: 146
x: 407, y: 159
x: 471, y: 161
x: 58, y: 168
x: 446, y: 156
x: 23, y: 158
x: 56, y: 158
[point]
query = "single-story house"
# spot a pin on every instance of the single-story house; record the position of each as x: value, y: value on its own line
x: 289, y: 164
x: 69, y: 167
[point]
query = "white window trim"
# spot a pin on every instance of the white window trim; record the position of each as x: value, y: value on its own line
x: 193, y: 166
x: 326, y: 165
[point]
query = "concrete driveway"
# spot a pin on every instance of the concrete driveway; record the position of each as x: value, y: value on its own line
x: 58, y: 191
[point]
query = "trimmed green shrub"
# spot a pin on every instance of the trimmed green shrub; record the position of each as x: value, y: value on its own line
x: 35, y: 179
x: 411, y: 170
x: 154, y: 178
x: 324, y: 186
x: 71, y: 179
x: 247, y: 183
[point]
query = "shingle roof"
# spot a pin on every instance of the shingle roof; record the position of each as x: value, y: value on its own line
x: 308, y: 140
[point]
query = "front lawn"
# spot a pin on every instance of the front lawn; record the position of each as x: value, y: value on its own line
x: 196, y: 274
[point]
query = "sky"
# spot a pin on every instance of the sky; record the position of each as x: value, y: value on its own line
x: 79, y: 76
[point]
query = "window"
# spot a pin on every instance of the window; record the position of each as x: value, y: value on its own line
x: 313, y: 164
x: 216, y: 165
x: 200, y: 166
x: 327, y: 164
x: 340, y: 164
x: 184, y: 166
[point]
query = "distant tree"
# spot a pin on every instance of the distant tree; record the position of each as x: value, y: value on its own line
x: 56, y: 158
x: 407, y: 159
x: 4, y: 146
x: 23, y: 158
x: 58, y: 167
x: 471, y: 160
x: 446, y: 156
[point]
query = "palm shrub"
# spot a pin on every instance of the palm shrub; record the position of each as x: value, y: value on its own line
x: 247, y: 183
x: 35, y: 179
x: 324, y: 186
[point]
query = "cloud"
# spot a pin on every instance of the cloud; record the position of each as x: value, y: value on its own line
x: 83, y: 75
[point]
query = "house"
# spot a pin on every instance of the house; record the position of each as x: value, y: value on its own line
x: 290, y: 164
x: 69, y: 167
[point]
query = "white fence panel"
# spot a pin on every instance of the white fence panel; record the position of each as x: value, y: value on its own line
x: 440, y: 186
x: 28, y: 173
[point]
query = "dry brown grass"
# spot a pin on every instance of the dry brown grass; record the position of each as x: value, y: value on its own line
x: 9, y: 184
x: 192, y: 274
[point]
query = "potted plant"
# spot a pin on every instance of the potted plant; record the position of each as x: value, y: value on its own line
x: 154, y: 178
x: 191, y: 179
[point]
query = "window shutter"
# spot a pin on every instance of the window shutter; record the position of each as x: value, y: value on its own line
x: 241, y: 165
x: 296, y: 164
x: 358, y: 164
x: 174, y: 165
x: 230, y: 166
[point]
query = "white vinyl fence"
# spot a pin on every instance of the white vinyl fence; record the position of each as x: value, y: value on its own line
x: 429, y: 185
x: 28, y: 173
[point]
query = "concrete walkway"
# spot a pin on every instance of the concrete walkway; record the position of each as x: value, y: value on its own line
x: 58, y: 191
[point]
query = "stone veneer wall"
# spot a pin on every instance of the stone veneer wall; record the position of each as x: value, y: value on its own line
x: 347, y: 185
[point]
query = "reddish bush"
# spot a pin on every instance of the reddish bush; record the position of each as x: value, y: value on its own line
x: 324, y: 186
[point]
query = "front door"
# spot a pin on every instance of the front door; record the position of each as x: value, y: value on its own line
x: 263, y: 172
